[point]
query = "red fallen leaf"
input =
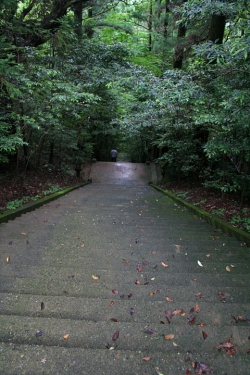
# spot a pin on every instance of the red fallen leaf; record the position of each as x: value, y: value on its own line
x: 42, y: 306
x: 115, y: 335
x: 191, y: 319
x: 156, y: 291
x: 221, y: 295
x: 168, y: 299
x: 194, y: 279
x: 188, y: 372
x: 248, y: 351
x: 114, y: 320
x: 115, y: 291
x: 204, y: 334
x: 168, y: 315
x: 139, y: 268
x: 191, y: 310
x: 137, y: 282
x: 161, y: 322
x: 197, y: 307
x: 111, y: 303
x: 146, y: 358
x: 130, y: 295
x: 146, y: 283
x: 71, y: 276
x: 201, y: 368
x: 228, y: 346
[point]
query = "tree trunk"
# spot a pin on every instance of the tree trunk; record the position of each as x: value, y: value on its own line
x: 217, y: 29
x: 179, y: 48
x: 150, y: 24
x: 78, y: 8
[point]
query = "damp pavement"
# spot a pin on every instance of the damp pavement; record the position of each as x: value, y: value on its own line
x: 116, y: 278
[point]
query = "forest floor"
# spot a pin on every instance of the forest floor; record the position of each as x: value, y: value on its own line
x: 227, y: 207
x: 15, y: 191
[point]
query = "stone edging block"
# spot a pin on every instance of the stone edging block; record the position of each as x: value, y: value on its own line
x: 215, y: 221
x: 11, y: 215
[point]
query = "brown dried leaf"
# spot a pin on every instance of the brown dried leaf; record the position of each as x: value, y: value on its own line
x: 114, y: 320
x: 197, y: 307
x: 191, y: 319
x: 168, y: 299
x: 168, y: 315
x: 228, y: 269
x: 66, y: 336
x: 42, y: 306
x: 95, y: 277
x: 137, y: 282
x: 204, y: 334
x: 169, y: 337
x: 111, y: 303
x: 177, y: 312
x: 115, y: 291
x: 116, y: 335
x: 8, y: 260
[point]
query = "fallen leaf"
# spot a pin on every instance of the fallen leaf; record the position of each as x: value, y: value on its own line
x: 208, y: 255
x: 71, y: 276
x: 194, y: 279
x: 168, y: 315
x: 228, y: 346
x: 115, y: 291
x: 24, y: 233
x: 199, y: 295
x: 42, y: 306
x: 201, y: 368
x: 221, y: 295
x: 8, y: 260
x: 95, y: 277
x: 191, y: 319
x: 228, y: 269
x: 204, y: 334
x: 146, y: 358
x: 197, y: 307
x: 151, y: 294
x: 130, y: 295
x: 66, y: 336
x: 137, y: 282
x: 149, y: 331
x: 164, y: 264
x: 115, y: 335
x: 188, y: 372
x: 169, y: 337
x: 111, y: 303
x: 114, y: 320
x: 132, y: 310
x: 200, y: 264
x: 176, y: 345
x: 158, y: 371
x: 168, y: 299
x: 178, y: 312
x: 82, y: 245
x: 39, y: 333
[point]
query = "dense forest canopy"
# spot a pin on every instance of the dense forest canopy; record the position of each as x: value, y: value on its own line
x: 162, y: 80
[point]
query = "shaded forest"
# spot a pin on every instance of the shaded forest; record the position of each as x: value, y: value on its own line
x: 165, y: 81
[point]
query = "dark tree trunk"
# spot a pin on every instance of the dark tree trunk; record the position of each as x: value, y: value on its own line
x: 179, y: 49
x: 78, y: 8
x: 150, y: 24
x: 217, y: 29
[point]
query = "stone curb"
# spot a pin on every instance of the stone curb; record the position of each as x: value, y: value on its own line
x: 215, y: 221
x: 11, y: 215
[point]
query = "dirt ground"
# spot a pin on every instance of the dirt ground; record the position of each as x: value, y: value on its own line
x: 36, y: 184
x: 227, y: 207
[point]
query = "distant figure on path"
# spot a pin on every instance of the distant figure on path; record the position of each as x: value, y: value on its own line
x: 113, y: 155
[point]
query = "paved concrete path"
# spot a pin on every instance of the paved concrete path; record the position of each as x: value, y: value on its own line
x: 115, y: 278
